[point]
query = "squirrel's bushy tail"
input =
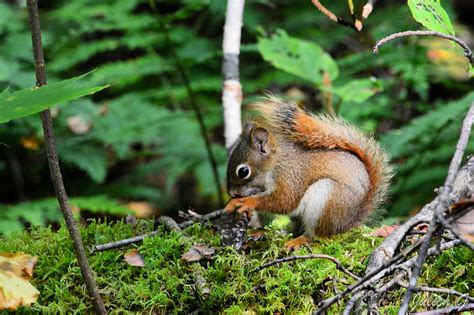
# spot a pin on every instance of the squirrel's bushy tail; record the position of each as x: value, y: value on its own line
x: 332, y: 133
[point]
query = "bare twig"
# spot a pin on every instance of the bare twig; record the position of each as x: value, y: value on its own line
x: 339, y: 266
x: 200, y: 282
x: 467, y: 50
x: 206, y: 217
x: 438, y: 290
x: 140, y: 238
x: 390, y: 266
x: 53, y: 162
x: 439, y: 209
x: 387, y: 248
x: 352, y: 302
x: 367, y: 8
x: 121, y: 243
x: 332, y: 16
x: 169, y: 223
x: 449, y: 310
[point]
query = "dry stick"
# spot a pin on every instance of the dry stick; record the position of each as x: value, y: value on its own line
x: 460, y: 147
x: 382, y: 271
x: 206, y: 217
x: 367, y: 8
x: 449, y: 310
x: 332, y: 16
x: 232, y: 89
x: 140, y: 238
x: 53, y: 162
x: 438, y: 290
x: 339, y: 266
x: 467, y: 50
x: 387, y: 248
x: 351, y: 303
x: 440, y: 207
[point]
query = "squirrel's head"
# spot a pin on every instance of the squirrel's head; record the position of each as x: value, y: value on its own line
x: 249, y: 169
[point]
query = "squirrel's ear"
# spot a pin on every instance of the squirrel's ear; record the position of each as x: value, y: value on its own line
x: 259, y: 138
x: 248, y: 127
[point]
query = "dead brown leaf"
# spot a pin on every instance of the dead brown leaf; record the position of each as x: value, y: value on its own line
x: 15, y: 271
x: 463, y: 211
x: 32, y: 142
x: 141, y: 209
x: 384, y: 231
x: 20, y: 264
x: 134, y: 258
x: 465, y: 225
x: 198, y: 252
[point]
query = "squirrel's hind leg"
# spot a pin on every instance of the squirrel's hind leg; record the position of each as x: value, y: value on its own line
x: 297, y: 243
x: 309, y: 211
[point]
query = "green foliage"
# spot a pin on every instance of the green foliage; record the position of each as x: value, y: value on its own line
x: 40, y: 212
x: 309, y: 61
x: 142, y: 141
x: 299, y: 57
x: 167, y: 283
x: 31, y: 101
x: 426, y: 142
x: 431, y: 14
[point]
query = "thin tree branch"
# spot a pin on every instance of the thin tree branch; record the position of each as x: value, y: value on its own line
x: 390, y: 266
x: 332, y: 16
x: 339, y: 266
x: 439, y: 290
x: 53, y: 162
x: 449, y: 310
x: 467, y: 50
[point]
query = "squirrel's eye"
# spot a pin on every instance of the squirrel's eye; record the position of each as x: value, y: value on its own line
x: 243, y: 171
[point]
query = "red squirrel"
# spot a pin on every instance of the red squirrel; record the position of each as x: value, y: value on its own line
x: 315, y: 168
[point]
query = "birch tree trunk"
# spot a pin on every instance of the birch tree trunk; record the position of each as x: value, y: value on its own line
x: 232, y: 90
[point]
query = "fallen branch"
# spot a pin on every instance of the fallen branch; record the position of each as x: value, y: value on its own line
x: 166, y: 221
x: 388, y: 268
x: 440, y: 208
x: 449, y: 310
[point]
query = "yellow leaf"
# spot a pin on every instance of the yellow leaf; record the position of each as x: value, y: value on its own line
x: 15, y: 291
x: 20, y: 264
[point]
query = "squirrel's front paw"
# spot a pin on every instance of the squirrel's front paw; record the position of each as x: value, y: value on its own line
x: 244, y: 206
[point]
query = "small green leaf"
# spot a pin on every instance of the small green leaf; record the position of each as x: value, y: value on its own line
x: 302, y: 58
x: 358, y: 91
x: 431, y: 14
x: 30, y: 101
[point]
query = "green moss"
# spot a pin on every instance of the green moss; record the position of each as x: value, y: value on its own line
x: 167, y: 283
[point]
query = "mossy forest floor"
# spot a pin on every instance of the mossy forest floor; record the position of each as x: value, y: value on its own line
x: 166, y: 284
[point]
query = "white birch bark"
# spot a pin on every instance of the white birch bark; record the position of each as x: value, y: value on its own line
x: 232, y: 90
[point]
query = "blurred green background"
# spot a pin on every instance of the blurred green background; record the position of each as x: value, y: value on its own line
x: 136, y: 146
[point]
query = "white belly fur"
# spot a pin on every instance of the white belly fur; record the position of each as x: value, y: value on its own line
x: 312, y: 204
